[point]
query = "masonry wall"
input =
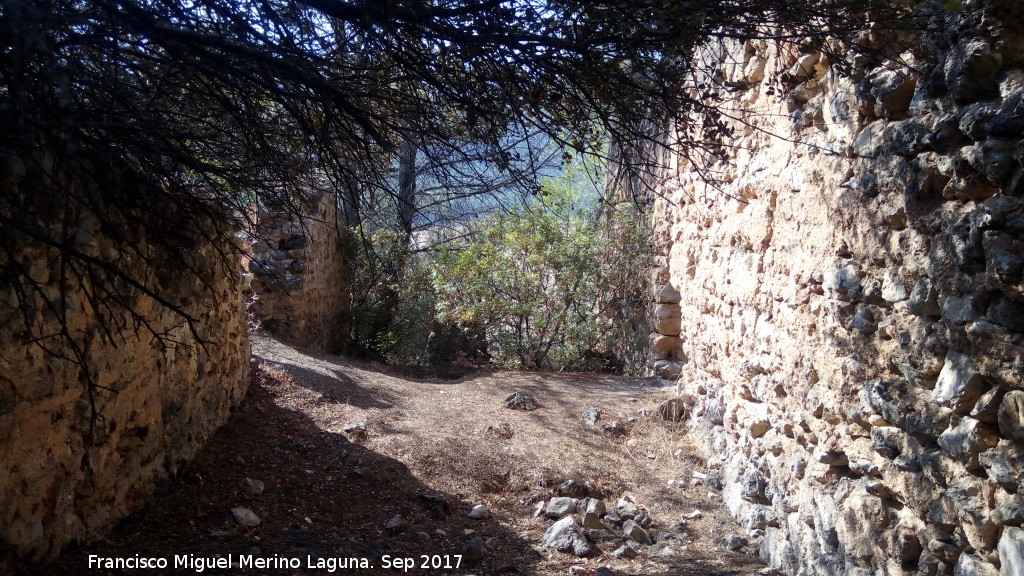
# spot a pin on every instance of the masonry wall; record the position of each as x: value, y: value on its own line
x: 65, y: 476
x: 299, y: 275
x: 846, y: 313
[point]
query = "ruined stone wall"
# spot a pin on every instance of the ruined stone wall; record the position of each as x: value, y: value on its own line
x: 159, y: 393
x: 299, y: 275
x: 846, y: 313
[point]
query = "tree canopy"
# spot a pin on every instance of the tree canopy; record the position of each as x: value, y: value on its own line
x: 173, y: 113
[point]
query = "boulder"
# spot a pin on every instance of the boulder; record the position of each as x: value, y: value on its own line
x: 521, y: 401
x: 561, y: 506
x: 636, y: 533
x: 565, y: 536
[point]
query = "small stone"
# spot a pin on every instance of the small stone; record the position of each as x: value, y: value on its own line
x: 973, y: 565
x: 561, y: 506
x: 672, y: 410
x: 565, y: 536
x: 1011, y: 415
x: 830, y: 457
x: 572, y: 489
x: 397, y: 523
x: 625, y: 551
x: 245, y: 517
x: 591, y: 415
x: 960, y: 384
x: 520, y: 401
x: 596, y: 506
x: 695, y: 515
x: 614, y: 428
x: 602, y: 534
x: 592, y: 521
x: 356, y: 430
x: 924, y: 299
x: 1011, y: 514
x: 293, y: 242
x: 667, y: 295
x: 668, y: 370
x: 735, y: 542
x: 660, y: 547
x: 474, y: 551
x: 479, y: 512
x: 254, y: 487
x: 626, y: 508
x: 1011, y: 551
x: 643, y: 519
x: 422, y: 536
x: 967, y: 440
x: 636, y: 533
x: 987, y: 407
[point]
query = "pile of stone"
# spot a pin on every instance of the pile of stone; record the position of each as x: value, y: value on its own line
x: 585, y: 526
x: 666, y: 347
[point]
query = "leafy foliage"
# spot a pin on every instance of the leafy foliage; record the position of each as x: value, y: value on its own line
x: 537, y: 279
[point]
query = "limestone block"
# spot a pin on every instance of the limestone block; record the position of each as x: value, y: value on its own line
x: 960, y: 384
x: 1007, y: 312
x: 894, y: 90
x: 666, y: 347
x: 967, y: 440
x: 893, y: 289
x: 753, y: 72
x: 974, y: 565
x: 754, y: 489
x: 1011, y: 415
x: 924, y: 299
x: 667, y: 319
x: 971, y: 70
x: 1008, y: 121
x: 666, y: 294
x: 974, y: 119
x: 862, y: 519
x: 987, y: 407
x: 1011, y: 551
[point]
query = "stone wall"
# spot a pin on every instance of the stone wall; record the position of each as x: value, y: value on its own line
x: 846, y: 312
x: 65, y: 476
x: 298, y: 274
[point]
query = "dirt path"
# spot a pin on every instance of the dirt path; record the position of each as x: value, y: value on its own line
x: 327, y: 452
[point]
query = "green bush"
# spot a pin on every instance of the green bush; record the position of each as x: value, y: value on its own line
x: 541, y: 280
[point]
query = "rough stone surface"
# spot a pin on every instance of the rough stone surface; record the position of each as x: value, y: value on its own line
x: 565, y: 536
x: 560, y: 506
x: 1011, y: 551
x: 298, y: 274
x: 60, y: 479
x: 636, y: 533
x: 245, y: 517
x: 852, y: 342
x: 474, y: 551
x: 960, y: 384
x: 521, y: 401
x: 1011, y: 415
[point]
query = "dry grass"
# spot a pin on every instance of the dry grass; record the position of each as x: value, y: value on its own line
x: 458, y: 438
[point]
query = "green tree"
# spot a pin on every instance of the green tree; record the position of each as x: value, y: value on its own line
x: 535, y: 279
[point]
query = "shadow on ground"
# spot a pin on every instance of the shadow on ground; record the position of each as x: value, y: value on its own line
x: 324, y: 497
